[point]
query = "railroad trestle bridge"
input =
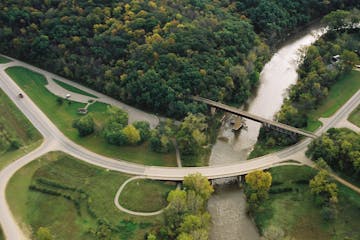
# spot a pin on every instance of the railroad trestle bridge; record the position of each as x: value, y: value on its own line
x: 265, y: 122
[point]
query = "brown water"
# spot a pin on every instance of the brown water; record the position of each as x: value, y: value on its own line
x: 227, y: 206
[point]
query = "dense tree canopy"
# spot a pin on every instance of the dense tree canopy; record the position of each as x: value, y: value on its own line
x: 186, y: 216
x: 148, y: 53
x: 275, y: 19
x: 340, y: 148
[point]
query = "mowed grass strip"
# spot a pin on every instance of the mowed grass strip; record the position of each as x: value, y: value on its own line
x: 13, y: 121
x: 97, y: 187
x: 73, y: 89
x: 339, y: 93
x: 144, y: 195
x: 355, y: 116
x: 4, y: 60
x: 63, y: 116
x: 296, y: 212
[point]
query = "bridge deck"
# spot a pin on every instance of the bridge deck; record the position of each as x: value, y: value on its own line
x: 254, y: 117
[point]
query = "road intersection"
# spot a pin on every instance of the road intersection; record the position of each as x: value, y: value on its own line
x: 54, y: 140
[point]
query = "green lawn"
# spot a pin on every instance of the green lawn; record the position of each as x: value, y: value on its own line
x: 92, y: 191
x: 64, y: 115
x: 297, y: 214
x: 14, y: 125
x: 355, y: 116
x: 145, y: 195
x: 73, y: 89
x: 339, y: 93
x: 4, y: 60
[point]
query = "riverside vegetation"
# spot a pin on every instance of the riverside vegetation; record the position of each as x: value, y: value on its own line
x: 323, y: 85
x: 298, y: 207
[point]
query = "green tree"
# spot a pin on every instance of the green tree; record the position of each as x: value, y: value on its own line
x: 132, y: 134
x: 321, y: 185
x: 43, y: 233
x: 144, y: 129
x: 199, y: 184
x: 151, y: 237
x: 113, y: 133
x: 191, y: 135
x: 85, y: 125
x: 257, y: 186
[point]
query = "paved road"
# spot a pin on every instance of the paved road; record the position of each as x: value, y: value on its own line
x: 55, y: 140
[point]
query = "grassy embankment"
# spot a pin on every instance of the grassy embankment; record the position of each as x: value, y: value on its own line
x: 355, y: 116
x: 339, y: 94
x: 63, y: 116
x: 93, y: 188
x: 143, y: 195
x: 4, y: 60
x: 15, y: 125
x: 292, y: 208
x: 73, y: 89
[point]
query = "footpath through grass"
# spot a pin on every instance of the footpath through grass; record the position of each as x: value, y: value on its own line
x: 14, y: 126
x: 145, y: 195
x: 73, y: 89
x: 4, y: 60
x: 75, y: 200
x: 292, y: 208
x: 63, y: 115
x: 355, y: 116
x: 339, y: 94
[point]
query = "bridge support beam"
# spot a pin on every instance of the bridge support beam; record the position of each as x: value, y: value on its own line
x: 212, y: 110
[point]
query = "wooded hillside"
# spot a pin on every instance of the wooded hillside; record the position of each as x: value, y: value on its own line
x: 152, y: 53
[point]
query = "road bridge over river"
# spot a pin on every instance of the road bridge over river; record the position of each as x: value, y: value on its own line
x: 266, y: 122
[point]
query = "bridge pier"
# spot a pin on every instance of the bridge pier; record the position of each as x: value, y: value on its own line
x: 212, y: 111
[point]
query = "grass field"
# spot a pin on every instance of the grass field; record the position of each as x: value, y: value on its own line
x: 13, y: 124
x: 355, y: 116
x: 64, y: 115
x: 91, y: 190
x: 339, y: 93
x: 4, y: 60
x: 73, y: 89
x: 145, y: 195
x: 297, y: 214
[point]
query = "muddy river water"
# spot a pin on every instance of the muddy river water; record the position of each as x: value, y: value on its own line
x: 228, y: 206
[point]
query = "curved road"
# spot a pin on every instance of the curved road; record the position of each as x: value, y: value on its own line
x: 55, y: 140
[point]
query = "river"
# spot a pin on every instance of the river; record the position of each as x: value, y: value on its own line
x: 228, y: 206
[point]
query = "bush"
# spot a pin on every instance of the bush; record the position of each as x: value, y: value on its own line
x: 144, y: 130
x: 85, y: 125
x: 14, y: 144
x: 114, y: 135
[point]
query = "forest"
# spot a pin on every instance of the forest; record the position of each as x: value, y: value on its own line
x: 153, y: 54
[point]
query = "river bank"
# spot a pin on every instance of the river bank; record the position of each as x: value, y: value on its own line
x: 228, y: 205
